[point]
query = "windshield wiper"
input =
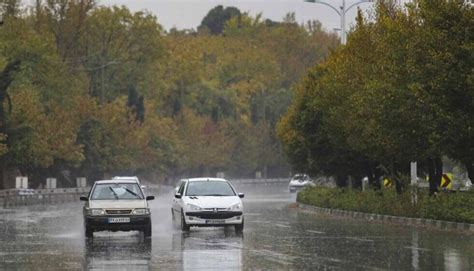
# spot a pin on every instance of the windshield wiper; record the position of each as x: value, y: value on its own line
x: 131, y: 192
x: 115, y: 194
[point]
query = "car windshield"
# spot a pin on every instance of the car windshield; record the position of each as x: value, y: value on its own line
x: 299, y: 177
x: 209, y: 188
x: 117, y: 191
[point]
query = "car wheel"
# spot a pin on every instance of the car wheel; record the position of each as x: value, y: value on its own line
x: 184, y: 226
x: 147, y: 231
x: 89, y: 232
x: 239, y: 227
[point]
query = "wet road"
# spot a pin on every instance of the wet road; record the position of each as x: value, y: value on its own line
x: 276, y: 237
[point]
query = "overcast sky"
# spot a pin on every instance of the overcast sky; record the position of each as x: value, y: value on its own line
x: 185, y: 14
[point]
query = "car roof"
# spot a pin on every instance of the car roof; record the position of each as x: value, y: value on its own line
x: 116, y: 181
x: 206, y: 179
x: 125, y: 177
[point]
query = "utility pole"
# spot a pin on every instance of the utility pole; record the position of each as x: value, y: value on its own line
x: 341, y: 11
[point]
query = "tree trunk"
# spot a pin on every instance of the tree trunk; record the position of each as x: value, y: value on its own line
x: 357, y: 182
x: 6, y: 78
x: 435, y: 171
x: 374, y: 178
x: 341, y: 181
x: 398, y: 186
x: 2, y: 174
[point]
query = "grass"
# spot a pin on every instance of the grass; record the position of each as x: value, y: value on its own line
x: 455, y: 207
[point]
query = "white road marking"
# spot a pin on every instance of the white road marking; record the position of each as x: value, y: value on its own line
x: 283, y: 226
x: 418, y: 248
x: 359, y: 239
x: 317, y: 232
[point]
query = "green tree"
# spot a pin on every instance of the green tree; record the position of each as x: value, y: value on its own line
x: 399, y: 91
x: 119, y: 46
x: 216, y: 19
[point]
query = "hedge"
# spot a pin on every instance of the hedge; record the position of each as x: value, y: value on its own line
x: 449, y: 206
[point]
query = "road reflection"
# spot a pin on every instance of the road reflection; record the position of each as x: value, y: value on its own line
x: 118, y: 251
x: 277, y: 236
x: 210, y: 249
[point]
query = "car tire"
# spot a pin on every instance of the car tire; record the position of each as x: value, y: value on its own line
x: 147, y: 231
x: 239, y: 228
x: 89, y: 232
x: 184, y: 226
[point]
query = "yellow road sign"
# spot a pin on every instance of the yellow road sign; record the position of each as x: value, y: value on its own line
x: 447, y: 181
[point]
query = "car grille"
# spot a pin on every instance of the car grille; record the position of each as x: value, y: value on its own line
x: 118, y: 212
x: 214, y: 209
x: 214, y: 215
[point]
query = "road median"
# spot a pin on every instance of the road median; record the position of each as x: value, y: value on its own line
x: 446, y: 212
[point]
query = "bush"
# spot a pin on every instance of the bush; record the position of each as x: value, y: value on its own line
x: 456, y: 206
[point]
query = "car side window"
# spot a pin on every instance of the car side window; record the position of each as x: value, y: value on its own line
x: 181, y: 188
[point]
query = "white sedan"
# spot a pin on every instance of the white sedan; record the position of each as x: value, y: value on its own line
x: 299, y: 182
x: 208, y: 202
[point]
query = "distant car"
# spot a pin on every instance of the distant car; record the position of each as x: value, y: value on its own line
x: 208, y: 202
x: 117, y: 205
x: 126, y: 178
x: 300, y: 181
x: 129, y: 178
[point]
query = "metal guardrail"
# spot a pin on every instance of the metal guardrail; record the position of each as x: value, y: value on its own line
x: 20, y: 197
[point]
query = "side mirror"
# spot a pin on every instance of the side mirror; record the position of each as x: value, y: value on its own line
x: 150, y: 197
x: 143, y: 187
x: 241, y: 195
x: 84, y: 199
x: 178, y: 195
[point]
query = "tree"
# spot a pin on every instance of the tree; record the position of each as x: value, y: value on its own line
x: 216, y: 19
x: 445, y: 51
x: 80, y: 78
x: 136, y: 104
x: 399, y: 91
x: 206, y: 144
x: 119, y: 46
x: 66, y: 20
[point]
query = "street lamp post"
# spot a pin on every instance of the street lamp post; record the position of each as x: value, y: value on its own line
x: 341, y: 11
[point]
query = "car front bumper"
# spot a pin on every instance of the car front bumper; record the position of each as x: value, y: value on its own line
x: 101, y: 223
x: 298, y: 187
x: 214, y: 219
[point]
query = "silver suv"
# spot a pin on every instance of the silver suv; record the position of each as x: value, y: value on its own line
x: 117, y: 205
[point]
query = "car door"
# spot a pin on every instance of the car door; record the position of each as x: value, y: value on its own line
x: 177, y: 202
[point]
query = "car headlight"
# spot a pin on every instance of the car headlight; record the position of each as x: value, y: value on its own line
x: 97, y: 212
x: 141, y: 211
x: 193, y: 207
x: 235, y: 207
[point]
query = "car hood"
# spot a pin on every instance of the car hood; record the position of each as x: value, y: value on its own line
x: 117, y: 204
x: 211, y: 201
x: 297, y: 182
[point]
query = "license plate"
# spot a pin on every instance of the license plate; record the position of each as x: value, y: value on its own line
x: 119, y: 219
x: 215, y: 221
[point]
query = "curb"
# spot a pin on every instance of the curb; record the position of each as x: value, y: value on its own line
x: 439, y: 224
